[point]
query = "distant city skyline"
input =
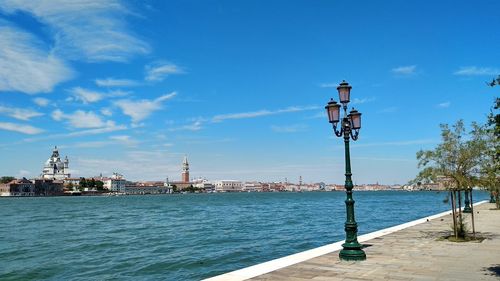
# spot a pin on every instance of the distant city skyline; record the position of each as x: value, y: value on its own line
x: 238, y: 86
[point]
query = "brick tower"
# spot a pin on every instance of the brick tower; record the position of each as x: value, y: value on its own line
x: 185, y: 170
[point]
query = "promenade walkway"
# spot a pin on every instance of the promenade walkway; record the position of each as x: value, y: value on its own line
x: 410, y: 253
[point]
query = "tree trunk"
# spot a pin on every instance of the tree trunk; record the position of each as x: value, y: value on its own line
x: 472, y: 214
x: 460, y: 219
x: 453, y: 213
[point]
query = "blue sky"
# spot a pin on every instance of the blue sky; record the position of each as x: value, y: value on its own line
x: 238, y: 86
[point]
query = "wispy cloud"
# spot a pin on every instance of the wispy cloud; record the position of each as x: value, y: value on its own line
x: 110, y: 127
x: 290, y: 128
x: 112, y: 82
x: 477, y: 71
x: 404, y: 70
x: 389, y: 109
x: 106, y: 112
x: 260, y: 113
x: 86, y: 96
x: 26, y: 66
x: 444, y: 104
x: 363, y: 100
x: 160, y: 70
x: 329, y: 85
x: 139, y: 110
x: 93, y: 30
x: 19, y: 113
x: 112, y: 140
x: 195, y: 126
x: 81, y: 119
x: 20, y: 128
x: 41, y: 101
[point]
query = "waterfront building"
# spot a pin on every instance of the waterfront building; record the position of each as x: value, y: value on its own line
x: 49, y: 187
x: 252, y: 186
x: 203, y: 184
x: 18, y: 187
x: 116, y: 183
x: 55, y: 168
x: 146, y: 189
x: 228, y: 186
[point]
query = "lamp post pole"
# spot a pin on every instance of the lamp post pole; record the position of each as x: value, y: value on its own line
x: 350, y: 125
x: 467, y: 208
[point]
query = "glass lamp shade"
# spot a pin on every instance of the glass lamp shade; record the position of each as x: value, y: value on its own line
x: 344, y: 92
x: 355, y: 118
x: 333, y: 111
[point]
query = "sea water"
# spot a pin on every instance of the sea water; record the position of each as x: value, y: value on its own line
x: 184, y: 236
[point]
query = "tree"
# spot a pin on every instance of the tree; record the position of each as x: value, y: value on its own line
x: 494, y: 82
x: 457, y: 161
x: 490, y: 165
x: 83, y: 183
x: 70, y: 186
x: 99, y: 185
x: 6, y: 179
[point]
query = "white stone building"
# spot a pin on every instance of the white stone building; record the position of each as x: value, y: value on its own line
x: 115, y: 183
x: 228, y: 186
x: 55, y: 168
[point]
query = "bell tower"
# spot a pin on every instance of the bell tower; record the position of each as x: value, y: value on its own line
x: 185, y: 170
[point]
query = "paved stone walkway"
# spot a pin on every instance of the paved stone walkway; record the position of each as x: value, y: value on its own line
x: 414, y: 253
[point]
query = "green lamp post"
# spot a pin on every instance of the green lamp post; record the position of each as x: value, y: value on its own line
x: 349, y: 128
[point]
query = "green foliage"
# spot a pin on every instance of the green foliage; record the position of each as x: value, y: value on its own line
x: 99, y: 185
x: 494, y: 82
x: 490, y: 159
x: 456, y: 159
x: 191, y: 189
x: 6, y: 179
x: 83, y: 183
x: 70, y: 186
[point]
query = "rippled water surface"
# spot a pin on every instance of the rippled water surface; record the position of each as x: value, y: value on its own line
x: 183, y: 237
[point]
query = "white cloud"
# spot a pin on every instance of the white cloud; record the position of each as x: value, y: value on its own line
x: 25, y: 66
x: 94, y: 30
x: 139, y: 110
x: 24, y: 129
x: 113, y: 140
x: 289, y: 129
x: 19, y: 113
x: 195, y: 126
x: 110, y: 127
x: 363, y: 100
x: 86, y: 96
x: 260, y: 113
x: 81, y: 119
x: 404, y: 70
x: 41, y: 101
x: 106, y: 112
x: 112, y: 82
x: 329, y: 85
x: 159, y: 71
x: 477, y: 71
x: 444, y: 104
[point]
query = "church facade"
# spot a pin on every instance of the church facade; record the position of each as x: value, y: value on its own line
x: 55, y: 168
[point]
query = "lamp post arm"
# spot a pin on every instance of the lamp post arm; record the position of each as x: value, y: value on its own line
x: 338, y: 133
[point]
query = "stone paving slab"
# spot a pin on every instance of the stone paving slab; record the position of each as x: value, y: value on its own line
x: 414, y: 253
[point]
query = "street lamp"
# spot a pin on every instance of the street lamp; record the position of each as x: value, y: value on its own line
x: 349, y: 128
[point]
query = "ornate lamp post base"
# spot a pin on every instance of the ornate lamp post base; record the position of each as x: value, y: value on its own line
x: 350, y: 253
x: 492, y: 198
